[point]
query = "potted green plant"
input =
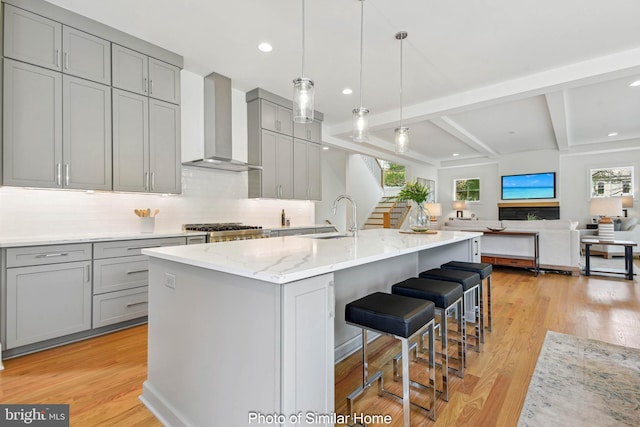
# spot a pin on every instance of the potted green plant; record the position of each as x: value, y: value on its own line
x: 418, y: 193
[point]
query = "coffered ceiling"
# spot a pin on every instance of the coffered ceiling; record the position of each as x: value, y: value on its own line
x: 482, y: 78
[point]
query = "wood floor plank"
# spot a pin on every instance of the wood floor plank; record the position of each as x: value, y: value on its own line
x: 101, y: 378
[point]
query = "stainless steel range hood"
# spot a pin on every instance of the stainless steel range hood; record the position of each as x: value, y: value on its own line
x: 217, y: 127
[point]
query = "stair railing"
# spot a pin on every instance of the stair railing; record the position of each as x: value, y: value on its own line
x: 395, y: 216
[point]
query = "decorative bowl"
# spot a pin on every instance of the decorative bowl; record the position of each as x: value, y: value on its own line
x: 496, y: 228
x: 419, y: 229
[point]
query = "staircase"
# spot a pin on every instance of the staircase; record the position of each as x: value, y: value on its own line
x: 387, y: 214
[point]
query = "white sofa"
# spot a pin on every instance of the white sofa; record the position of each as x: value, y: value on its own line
x: 559, y: 241
x: 629, y: 230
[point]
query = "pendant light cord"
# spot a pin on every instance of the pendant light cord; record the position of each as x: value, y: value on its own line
x: 361, y: 45
x: 401, y: 82
x: 303, y: 39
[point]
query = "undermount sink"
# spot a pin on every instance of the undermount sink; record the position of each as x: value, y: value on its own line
x: 332, y: 236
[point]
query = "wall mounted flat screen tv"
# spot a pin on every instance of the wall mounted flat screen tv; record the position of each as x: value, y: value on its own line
x: 529, y: 186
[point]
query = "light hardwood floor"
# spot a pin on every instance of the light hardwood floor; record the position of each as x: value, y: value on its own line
x: 102, y: 378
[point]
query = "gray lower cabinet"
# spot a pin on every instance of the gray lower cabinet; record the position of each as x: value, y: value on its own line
x: 49, y: 297
x: 32, y: 126
x: 121, y: 279
x: 86, y: 130
x: 146, y: 144
x: 307, y: 178
x: 32, y: 38
x: 144, y: 75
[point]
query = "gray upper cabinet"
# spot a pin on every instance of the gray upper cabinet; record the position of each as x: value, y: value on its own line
x: 146, y: 144
x: 86, y: 56
x: 308, y: 131
x: 32, y: 126
x: 277, y: 166
x: 164, y: 152
x: 86, y: 130
x: 130, y: 70
x: 138, y: 73
x: 307, y: 178
x: 32, y: 38
x: 130, y: 141
x: 164, y: 81
x: 276, y: 118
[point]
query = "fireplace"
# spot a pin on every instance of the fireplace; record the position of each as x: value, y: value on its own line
x: 523, y: 211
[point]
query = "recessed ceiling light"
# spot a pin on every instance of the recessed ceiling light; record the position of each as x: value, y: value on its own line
x: 512, y: 132
x: 265, y: 47
x: 635, y: 84
x: 456, y: 154
x: 325, y: 148
x: 347, y: 91
x: 613, y: 134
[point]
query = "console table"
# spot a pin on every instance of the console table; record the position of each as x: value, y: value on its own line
x: 628, y: 256
x: 515, y: 260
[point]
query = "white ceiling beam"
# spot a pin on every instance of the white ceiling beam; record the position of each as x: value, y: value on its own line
x: 449, y: 125
x: 379, y: 149
x: 617, y: 65
x: 556, y: 103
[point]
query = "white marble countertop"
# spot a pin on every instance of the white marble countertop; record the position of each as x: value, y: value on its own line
x: 286, y: 259
x: 12, y: 242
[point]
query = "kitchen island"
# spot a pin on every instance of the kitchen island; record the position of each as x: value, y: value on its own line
x: 247, y: 332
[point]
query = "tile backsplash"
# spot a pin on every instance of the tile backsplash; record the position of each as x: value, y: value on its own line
x: 207, y: 196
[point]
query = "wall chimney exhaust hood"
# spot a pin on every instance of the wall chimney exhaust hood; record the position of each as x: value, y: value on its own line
x: 217, y: 127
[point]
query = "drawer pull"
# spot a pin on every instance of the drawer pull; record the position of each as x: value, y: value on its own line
x: 143, y: 247
x: 52, y: 255
x: 138, y: 271
x: 133, y: 304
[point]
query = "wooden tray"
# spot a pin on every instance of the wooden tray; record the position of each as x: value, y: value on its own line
x: 418, y: 232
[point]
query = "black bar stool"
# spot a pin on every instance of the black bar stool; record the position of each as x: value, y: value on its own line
x: 446, y: 296
x: 401, y: 317
x: 484, y: 270
x: 472, y: 287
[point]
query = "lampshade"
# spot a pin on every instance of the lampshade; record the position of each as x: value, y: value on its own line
x: 627, y: 201
x: 401, y: 132
x: 606, y: 206
x: 433, y: 209
x: 459, y: 205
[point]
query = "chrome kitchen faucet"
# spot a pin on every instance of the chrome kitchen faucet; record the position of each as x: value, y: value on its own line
x: 354, y: 214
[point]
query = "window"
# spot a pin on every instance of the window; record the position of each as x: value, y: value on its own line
x: 612, y: 182
x: 393, y: 175
x: 467, y: 189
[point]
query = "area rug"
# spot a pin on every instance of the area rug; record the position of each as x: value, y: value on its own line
x: 583, y: 382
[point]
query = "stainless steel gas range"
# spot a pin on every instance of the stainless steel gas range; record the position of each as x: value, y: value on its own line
x: 226, y: 232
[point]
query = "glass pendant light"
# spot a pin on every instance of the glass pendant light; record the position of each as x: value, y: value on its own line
x: 402, y: 132
x: 361, y: 114
x: 303, y: 90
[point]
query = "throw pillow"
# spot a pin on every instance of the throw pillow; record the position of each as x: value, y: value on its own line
x: 627, y: 223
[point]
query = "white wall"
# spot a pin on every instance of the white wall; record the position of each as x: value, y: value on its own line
x: 208, y: 195
x: 363, y: 187
x: 572, y: 177
x: 334, y: 179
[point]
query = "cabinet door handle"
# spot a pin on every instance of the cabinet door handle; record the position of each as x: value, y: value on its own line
x: 308, y: 134
x: 88, y: 272
x: 133, y: 304
x: 153, y: 181
x: 476, y: 242
x: 57, y: 58
x: 59, y: 173
x: 146, y: 181
x: 144, y: 85
x: 66, y: 60
x: 143, y: 247
x: 52, y: 255
x: 151, y: 86
x: 138, y: 271
x: 66, y: 174
x: 331, y: 299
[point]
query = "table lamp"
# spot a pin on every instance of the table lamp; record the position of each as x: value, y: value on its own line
x: 434, y: 210
x: 459, y: 206
x: 606, y: 207
x: 627, y: 202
